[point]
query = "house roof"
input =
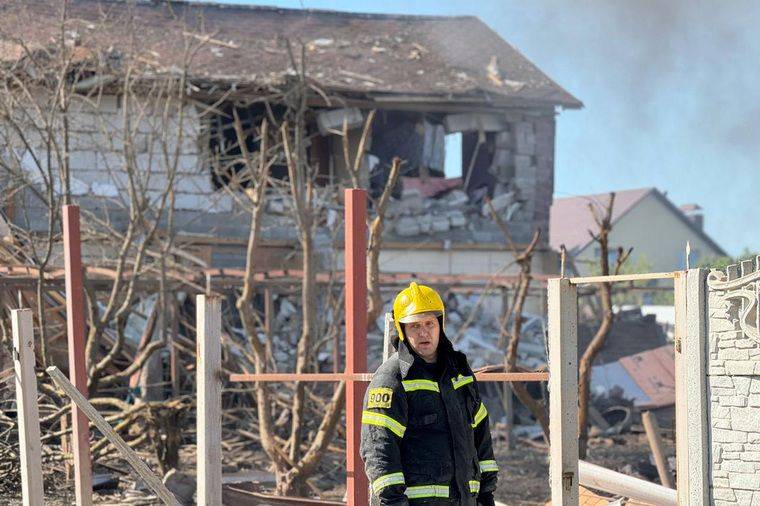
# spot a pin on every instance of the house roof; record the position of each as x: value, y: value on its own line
x: 571, y: 219
x: 368, y: 53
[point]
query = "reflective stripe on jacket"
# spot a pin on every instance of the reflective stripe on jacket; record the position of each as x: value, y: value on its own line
x: 426, y: 439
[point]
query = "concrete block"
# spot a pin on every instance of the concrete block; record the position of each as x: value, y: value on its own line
x: 83, y: 160
x: 503, y: 140
x: 732, y: 456
x: 733, y: 447
x: 745, y: 419
x: 525, y: 138
x: 737, y: 466
x: 716, y: 370
x: 717, y: 473
x: 717, y: 411
x: 457, y: 219
x: 746, y: 343
x: 754, y: 400
x: 722, y: 324
x: 440, y: 224
x: 499, y: 203
x: 407, y: 227
x: 753, y: 437
x: 334, y: 119
x: 724, y: 503
x: 754, y: 386
x: 750, y: 456
x: 720, y: 482
x: 425, y: 222
x: 726, y: 343
x: 744, y: 481
x: 456, y: 199
x: 743, y: 497
x: 722, y: 424
x: 741, y: 383
x: 721, y: 382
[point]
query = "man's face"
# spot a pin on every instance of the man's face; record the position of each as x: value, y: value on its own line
x: 423, y: 336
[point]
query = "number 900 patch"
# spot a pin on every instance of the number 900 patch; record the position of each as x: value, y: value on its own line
x: 380, y: 398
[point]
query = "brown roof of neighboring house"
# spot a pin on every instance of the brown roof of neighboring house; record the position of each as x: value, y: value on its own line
x: 454, y: 57
x: 571, y: 219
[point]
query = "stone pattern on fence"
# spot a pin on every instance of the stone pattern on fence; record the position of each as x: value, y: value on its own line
x: 734, y: 384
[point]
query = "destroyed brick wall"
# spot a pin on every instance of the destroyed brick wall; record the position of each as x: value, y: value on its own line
x: 733, y: 384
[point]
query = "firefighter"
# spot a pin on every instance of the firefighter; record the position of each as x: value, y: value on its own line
x: 425, y: 437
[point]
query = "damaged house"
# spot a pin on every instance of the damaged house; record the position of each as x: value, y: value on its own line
x: 434, y: 81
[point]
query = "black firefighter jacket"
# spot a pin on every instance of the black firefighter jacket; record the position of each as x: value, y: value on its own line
x: 425, y: 437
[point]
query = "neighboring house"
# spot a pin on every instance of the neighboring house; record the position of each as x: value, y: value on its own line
x: 643, y: 219
x: 427, y: 76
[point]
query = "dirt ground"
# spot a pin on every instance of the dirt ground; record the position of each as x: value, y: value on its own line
x: 523, y: 474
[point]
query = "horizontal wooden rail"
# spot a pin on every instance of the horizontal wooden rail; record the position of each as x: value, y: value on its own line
x: 318, y: 377
x: 619, y: 278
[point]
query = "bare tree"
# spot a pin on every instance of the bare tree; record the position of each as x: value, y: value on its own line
x: 603, y: 220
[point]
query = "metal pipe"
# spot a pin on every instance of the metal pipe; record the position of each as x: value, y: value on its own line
x: 604, y: 479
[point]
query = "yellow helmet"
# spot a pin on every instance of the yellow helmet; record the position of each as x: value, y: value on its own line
x: 414, y: 301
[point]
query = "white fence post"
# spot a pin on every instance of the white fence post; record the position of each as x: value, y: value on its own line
x: 26, y: 405
x: 563, y: 391
x: 209, y: 415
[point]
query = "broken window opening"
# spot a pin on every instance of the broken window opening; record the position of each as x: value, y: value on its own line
x: 453, y: 160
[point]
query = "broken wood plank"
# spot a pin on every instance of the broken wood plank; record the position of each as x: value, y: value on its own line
x: 606, y: 480
x: 103, y: 426
x: 652, y: 429
x: 209, y: 416
x: 26, y: 404
x: 622, y: 277
x: 367, y: 377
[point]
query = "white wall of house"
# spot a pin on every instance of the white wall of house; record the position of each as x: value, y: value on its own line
x: 657, y: 235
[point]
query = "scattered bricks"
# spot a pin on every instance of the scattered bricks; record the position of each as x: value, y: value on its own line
x: 750, y: 456
x: 747, y: 420
x: 499, y: 203
x: 743, y: 367
x: 425, y: 222
x: 733, y: 400
x: 744, y: 481
x: 728, y: 436
x: 440, y: 224
x: 456, y: 199
x: 407, y: 227
x: 722, y: 494
x: 457, y: 219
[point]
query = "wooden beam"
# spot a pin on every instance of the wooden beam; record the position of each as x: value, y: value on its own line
x: 105, y: 428
x: 32, y: 492
x: 355, y: 259
x: 652, y: 429
x: 367, y: 377
x: 80, y: 439
x: 604, y: 479
x: 563, y: 388
x: 209, y: 415
x: 622, y: 277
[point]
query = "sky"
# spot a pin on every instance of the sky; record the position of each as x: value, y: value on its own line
x: 671, y: 90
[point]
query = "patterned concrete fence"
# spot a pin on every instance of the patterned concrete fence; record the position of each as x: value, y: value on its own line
x: 722, y: 309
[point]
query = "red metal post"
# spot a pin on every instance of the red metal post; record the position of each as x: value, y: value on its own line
x: 72, y: 249
x: 355, y: 258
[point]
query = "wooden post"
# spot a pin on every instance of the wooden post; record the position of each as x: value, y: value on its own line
x: 80, y: 436
x: 26, y: 405
x: 105, y: 428
x: 652, y: 429
x: 355, y: 258
x: 209, y: 416
x: 563, y: 391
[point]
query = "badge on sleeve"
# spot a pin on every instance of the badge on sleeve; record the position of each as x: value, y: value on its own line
x: 380, y: 398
